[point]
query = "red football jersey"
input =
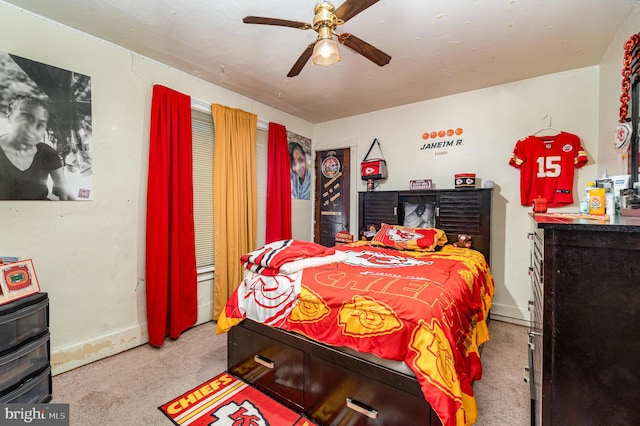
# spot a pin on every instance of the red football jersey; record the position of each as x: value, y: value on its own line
x: 547, y: 165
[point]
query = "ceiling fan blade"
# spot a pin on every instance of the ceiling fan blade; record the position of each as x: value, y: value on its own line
x: 277, y: 22
x: 302, y: 60
x: 365, y: 49
x: 351, y: 8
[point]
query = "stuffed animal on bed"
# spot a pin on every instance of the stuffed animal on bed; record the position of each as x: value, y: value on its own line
x: 369, y: 233
x: 464, y: 241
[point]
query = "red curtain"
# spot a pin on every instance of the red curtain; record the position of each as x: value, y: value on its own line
x: 171, y: 277
x: 278, y: 218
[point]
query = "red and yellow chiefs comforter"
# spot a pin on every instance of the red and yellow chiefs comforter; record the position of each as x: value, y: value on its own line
x: 425, y: 308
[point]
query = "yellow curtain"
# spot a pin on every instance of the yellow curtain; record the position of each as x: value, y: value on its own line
x: 234, y: 197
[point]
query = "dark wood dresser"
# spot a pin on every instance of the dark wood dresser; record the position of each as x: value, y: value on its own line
x: 584, y: 342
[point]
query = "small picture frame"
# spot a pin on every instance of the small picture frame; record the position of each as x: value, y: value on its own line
x: 420, y: 184
x: 17, y: 280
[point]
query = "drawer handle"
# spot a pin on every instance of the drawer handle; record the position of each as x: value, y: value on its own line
x: 361, y: 408
x: 526, y: 374
x: 264, y: 361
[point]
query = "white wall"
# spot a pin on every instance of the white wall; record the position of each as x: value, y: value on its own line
x: 89, y: 256
x: 301, y: 214
x: 492, y: 120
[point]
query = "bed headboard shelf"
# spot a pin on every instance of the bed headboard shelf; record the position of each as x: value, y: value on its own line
x: 456, y: 211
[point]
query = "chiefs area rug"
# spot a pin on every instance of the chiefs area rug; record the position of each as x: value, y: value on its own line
x: 228, y: 401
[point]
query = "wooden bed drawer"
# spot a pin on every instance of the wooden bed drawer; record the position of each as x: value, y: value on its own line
x: 337, y: 396
x: 272, y: 366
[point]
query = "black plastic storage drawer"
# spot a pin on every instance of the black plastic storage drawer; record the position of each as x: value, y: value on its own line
x: 22, y: 320
x: 34, y: 391
x: 23, y: 363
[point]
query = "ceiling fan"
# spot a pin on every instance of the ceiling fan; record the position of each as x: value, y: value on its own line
x: 325, y: 50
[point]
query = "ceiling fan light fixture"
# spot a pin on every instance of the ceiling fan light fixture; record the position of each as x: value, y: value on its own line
x: 326, y: 51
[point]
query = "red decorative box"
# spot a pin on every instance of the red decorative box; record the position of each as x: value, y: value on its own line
x: 465, y: 180
x: 344, y: 237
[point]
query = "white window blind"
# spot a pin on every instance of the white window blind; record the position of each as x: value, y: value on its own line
x: 262, y: 152
x: 203, y: 142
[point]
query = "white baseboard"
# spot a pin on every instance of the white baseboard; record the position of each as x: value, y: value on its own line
x: 510, y: 314
x: 88, y: 351
x: 91, y: 350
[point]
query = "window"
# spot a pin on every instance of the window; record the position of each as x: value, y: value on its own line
x: 262, y: 157
x: 203, y: 144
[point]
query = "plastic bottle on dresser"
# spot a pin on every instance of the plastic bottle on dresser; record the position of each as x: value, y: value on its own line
x: 607, y: 183
x: 584, y: 203
x: 597, y: 204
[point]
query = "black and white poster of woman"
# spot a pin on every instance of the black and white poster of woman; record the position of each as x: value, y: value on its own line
x: 300, y: 158
x: 45, y: 132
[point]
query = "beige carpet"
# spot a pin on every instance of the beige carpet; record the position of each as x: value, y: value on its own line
x: 127, y: 388
x: 502, y: 395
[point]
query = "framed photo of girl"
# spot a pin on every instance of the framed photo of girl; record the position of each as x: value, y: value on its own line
x: 45, y: 132
x: 300, y: 158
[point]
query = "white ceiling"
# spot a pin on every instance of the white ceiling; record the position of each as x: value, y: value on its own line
x: 438, y: 47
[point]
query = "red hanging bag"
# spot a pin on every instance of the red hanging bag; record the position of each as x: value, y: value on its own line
x: 375, y: 168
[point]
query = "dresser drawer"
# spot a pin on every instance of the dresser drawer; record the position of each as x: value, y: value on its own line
x: 270, y: 365
x: 24, y: 362
x: 337, y: 396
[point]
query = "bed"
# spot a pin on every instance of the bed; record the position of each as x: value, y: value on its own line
x: 370, y: 333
